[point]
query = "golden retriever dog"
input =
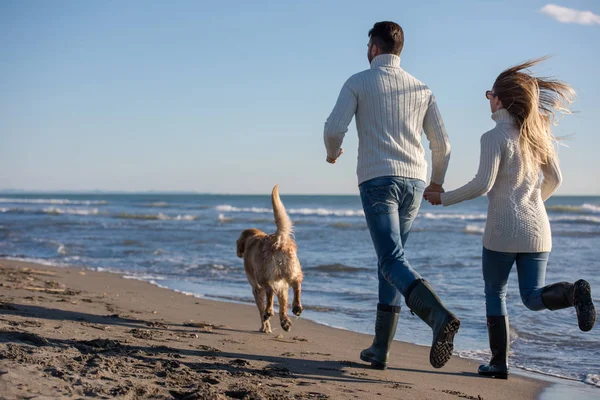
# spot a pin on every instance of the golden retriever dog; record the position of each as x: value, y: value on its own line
x: 272, y: 266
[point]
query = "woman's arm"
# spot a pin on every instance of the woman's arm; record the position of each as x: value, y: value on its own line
x: 489, y: 162
x: 552, y: 178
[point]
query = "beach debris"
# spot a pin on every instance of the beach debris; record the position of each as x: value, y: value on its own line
x: 38, y: 272
x: 239, y: 362
x: 141, y: 334
x: 300, y: 339
x: 462, y: 395
x: 157, y: 324
x: 201, y: 325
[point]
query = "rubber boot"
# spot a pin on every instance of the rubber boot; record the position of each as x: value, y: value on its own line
x: 385, y: 329
x: 579, y: 294
x: 499, y: 334
x: 422, y: 301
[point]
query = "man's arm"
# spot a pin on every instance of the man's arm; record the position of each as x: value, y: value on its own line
x: 434, y: 129
x: 336, y: 125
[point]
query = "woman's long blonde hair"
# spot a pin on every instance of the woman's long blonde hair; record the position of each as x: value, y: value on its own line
x: 534, y: 102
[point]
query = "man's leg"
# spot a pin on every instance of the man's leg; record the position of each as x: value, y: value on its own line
x: 380, y: 195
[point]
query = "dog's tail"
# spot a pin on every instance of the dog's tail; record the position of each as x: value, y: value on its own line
x: 282, y: 219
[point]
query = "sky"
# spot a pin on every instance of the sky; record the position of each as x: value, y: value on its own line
x: 231, y: 97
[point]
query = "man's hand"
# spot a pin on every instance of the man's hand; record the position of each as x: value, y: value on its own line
x: 432, y: 194
x: 333, y: 160
x: 434, y: 187
x: 433, y: 197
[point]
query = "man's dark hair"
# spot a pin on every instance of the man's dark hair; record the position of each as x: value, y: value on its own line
x: 388, y: 36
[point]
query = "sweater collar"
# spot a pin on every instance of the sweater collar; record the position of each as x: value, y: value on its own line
x: 502, y: 116
x: 386, y: 60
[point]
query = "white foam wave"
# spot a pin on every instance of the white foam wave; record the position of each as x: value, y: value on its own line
x: 70, y: 211
x: 581, y: 219
x: 53, y: 201
x: 585, y: 208
x: 474, y: 229
x: 145, y: 277
x: 463, y: 217
x: 3, y: 210
x: 223, y: 218
x: 62, y: 250
x: 159, y: 216
x: 293, y: 211
x: 592, y: 379
x: 591, y: 207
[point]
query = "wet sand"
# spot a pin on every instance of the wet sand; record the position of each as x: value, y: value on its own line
x: 72, y: 333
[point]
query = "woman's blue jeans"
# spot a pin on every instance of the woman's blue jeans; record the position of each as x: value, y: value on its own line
x: 531, y: 268
x: 391, y: 204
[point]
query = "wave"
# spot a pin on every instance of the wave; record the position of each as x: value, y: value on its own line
x: 222, y: 218
x: 338, y: 268
x: 577, y: 219
x: 347, y: 225
x: 155, y: 204
x: 473, y: 229
x: 293, y: 211
x: 155, y: 217
x: 53, y: 201
x: 463, y: 217
x: 69, y: 211
x: 585, y: 208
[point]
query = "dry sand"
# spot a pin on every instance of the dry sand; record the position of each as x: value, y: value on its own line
x: 70, y: 333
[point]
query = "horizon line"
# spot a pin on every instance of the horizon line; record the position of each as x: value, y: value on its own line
x: 195, y: 193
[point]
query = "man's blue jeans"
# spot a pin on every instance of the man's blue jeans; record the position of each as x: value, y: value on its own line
x: 531, y: 268
x: 391, y: 204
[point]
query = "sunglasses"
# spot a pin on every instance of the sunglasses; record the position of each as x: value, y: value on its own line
x: 489, y: 94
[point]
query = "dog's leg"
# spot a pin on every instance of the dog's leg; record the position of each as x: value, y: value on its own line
x: 282, y: 297
x: 260, y: 298
x: 269, y: 307
x: 297, y: 304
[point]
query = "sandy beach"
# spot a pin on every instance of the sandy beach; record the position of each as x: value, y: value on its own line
x: 71, y: 333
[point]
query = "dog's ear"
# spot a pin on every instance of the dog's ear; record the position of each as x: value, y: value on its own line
x: 241, y: 244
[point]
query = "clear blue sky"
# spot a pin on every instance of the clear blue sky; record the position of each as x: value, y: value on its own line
x: 231, y: 97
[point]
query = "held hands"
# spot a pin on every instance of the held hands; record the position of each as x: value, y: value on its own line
x: 433, y: 194
x: 333, y: 160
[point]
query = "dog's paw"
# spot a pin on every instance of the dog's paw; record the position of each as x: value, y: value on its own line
x: 286, y: 324
x: 266, y: 327
x: 297, y: 310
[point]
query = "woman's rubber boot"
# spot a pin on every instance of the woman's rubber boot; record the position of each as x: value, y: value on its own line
x: 499, y: 334
x: 422, y: 301
x: 385, y: 329
x: 579, y: 294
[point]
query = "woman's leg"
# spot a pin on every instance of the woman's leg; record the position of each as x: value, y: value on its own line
x: 496, y: 269
x: 531, y: 268
x: 536, y: 296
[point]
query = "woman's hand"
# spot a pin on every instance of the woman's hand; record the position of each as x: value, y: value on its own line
x: 434, y: 198
x: 333, y: 160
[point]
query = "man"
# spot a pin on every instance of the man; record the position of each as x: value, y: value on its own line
x: 392, y: 109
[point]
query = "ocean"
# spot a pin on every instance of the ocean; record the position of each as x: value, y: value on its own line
x: 187, y: 243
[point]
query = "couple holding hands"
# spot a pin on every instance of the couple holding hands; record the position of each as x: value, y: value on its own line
x: 392, y: 109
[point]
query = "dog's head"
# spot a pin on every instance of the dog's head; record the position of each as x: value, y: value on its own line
x: 244, y: 236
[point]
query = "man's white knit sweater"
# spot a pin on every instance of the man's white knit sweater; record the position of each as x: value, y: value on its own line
x: 392, y: 110
x: 516, y: 221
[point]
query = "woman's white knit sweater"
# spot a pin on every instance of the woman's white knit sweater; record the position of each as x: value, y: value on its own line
x: 517, y: 221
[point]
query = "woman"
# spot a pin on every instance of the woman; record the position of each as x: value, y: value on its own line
x: 517, y: 229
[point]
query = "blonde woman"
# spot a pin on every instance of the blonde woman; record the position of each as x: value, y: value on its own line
x: 513, y: 156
